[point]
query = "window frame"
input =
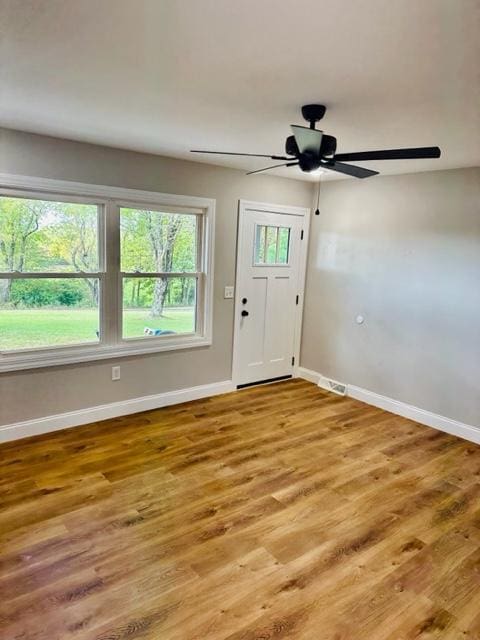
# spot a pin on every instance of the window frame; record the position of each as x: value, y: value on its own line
x: 109, y: 200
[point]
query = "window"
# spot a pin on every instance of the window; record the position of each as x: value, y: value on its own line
x: 160, y: 263
x: 271, y: 245
x: 85, y: 277
x: 51, y: 273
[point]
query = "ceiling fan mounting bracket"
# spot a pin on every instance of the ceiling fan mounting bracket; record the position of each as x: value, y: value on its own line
x: 313, y: 113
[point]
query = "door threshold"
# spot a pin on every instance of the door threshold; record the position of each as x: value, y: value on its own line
x: 268, y: 381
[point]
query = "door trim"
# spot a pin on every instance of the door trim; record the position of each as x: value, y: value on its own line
x: 250, y: 205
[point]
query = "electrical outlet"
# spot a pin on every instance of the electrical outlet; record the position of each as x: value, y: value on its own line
x: 229, y: 291
x: 115, y: 373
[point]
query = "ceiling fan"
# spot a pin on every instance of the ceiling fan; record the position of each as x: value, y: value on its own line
x: 311, y: 149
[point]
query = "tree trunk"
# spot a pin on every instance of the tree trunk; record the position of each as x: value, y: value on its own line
x: 5, y: 289
x: 184, y: 291
x: 159, y: 293
x: 93, y: 286
x: 139, y: 286
x: 132, y: 295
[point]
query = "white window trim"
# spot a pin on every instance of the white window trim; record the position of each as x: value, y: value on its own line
x: 111, y: 198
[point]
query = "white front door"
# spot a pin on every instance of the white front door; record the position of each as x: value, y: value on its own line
x: 269, y: 291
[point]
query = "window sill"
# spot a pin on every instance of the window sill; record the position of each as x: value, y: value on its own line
x: 37, y: 360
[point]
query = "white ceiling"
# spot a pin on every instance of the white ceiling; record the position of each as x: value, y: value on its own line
x: 165, y: 76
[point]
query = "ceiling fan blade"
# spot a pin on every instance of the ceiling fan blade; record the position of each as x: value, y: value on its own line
x: 308, y: 140
x: 252, y: 155
x: 284, y: 164
x: 350, y: 170
x: 391, y: 154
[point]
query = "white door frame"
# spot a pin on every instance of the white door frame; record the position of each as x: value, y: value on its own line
x: 248, y: 205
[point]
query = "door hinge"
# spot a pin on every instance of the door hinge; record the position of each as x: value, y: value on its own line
x: 293, y: 360
x: 296, y: 300
x: 301, y: 235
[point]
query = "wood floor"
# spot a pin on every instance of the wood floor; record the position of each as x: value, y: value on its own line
x: 271, y: 513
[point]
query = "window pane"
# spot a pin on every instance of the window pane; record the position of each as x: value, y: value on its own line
x: 158, y: 306
x: 41, y: 235
x: 260, y: 244
x: 48, y: 312
x: 271, y: 244
x: 153, y: 241
x: 283, y: 245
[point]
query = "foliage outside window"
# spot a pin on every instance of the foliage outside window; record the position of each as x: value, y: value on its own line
x: 271, y: 245
x: 164, y: 246
x: 43, y: 243
x: 99, y: 277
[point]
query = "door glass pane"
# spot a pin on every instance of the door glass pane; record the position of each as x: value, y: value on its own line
x: 271, y: 245
x: 260, y: 244
x: 153, y: 307
x: 283, y: 245
x: 48, y: 312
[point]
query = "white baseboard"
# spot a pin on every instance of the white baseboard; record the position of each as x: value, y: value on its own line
x: 308, y: 374
x: 38, y: 426
x: 454, y: 427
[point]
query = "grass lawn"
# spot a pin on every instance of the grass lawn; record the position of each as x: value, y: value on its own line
x: 21, y: 329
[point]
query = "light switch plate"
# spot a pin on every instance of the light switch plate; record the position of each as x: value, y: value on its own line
x: 229, y: 292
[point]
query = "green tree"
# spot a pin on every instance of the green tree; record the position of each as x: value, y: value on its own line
x: 162, y: 232
x: 73, y: 240
x: 20, y: 219
x: 161, y: 242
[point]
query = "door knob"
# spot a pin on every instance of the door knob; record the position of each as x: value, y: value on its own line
x: 244, y: 313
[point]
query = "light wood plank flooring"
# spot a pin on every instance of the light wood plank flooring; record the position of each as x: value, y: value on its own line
x: 271, y: 513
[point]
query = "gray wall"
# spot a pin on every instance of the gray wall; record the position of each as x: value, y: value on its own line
x: 41, y: 392
x: 404, y: 252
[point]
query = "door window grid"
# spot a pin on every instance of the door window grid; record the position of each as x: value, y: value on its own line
x: 272, y: 244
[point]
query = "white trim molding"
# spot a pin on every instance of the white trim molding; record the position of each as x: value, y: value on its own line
x: 81, y: 189
x: 428, y: 418
x: 69, y: 419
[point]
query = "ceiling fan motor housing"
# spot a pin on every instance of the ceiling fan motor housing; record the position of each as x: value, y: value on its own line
x: 309, y: 162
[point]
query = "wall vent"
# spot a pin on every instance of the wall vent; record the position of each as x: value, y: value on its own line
x: 334, y: 386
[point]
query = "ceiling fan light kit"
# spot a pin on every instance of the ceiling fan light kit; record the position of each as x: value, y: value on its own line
x: 312, y: 149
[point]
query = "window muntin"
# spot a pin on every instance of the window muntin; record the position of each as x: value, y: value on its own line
x: 105, y: 321
x: 271, y: 245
